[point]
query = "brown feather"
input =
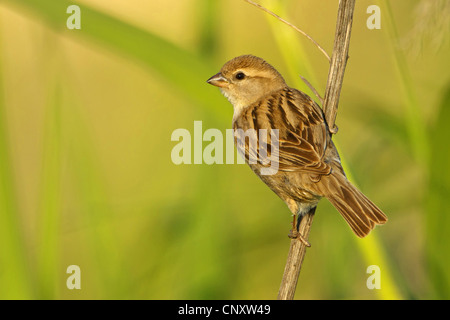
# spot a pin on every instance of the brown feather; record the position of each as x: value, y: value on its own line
x: 359, y: 212
x: 309, y: 166
x: 304, y: 149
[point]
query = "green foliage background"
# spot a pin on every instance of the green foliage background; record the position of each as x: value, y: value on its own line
x: 86, y: 176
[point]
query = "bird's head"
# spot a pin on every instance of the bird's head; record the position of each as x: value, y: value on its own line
x: 246, y: 79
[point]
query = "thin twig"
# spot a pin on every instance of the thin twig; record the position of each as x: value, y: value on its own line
x: 290, y: 25
x: 312, y: 89
x: 339, y: 58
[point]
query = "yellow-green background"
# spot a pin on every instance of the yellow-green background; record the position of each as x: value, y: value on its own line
x: 86, y: 176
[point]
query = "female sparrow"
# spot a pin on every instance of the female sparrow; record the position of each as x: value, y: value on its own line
x: 309, y: 166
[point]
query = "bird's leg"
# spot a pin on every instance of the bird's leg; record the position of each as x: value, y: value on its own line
x: 294, y: 233
x: 296, y: 213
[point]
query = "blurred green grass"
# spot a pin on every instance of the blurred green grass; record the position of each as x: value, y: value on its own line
x: 17, y: 285
x: 105, y: 195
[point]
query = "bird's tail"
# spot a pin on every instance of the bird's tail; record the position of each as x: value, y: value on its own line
x: 360, y: 213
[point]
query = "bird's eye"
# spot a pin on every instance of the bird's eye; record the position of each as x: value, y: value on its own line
x: 240, y: 76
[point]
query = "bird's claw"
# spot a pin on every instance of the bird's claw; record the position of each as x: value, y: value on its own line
x: 294, y: 234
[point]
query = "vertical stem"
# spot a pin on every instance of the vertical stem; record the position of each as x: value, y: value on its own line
x: 338, y: 63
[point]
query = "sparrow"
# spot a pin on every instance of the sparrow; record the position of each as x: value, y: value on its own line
x: 309, y: 166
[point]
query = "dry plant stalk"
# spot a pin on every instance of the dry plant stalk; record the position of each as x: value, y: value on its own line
x: 290, y: 25
x: 338, y: 63
x: 297, y: 251
x: 335, y: 78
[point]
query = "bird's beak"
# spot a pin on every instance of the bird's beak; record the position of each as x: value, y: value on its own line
x: 218, y: 80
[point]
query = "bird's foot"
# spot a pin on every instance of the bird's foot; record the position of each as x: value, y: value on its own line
x: 294, y: 234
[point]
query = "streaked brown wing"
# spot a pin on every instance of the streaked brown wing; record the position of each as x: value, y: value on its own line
x: 302, y: 130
